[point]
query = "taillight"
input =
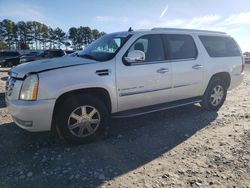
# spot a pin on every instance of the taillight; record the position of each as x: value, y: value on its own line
x: 243, y: 64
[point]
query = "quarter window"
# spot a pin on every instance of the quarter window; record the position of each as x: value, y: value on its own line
x: 218, y: 46
x: 180, y: 47
x: 152, y: 46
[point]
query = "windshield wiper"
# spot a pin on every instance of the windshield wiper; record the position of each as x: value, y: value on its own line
x: 87, y: 56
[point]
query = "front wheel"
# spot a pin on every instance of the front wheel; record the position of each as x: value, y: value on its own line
x: 215, y: 95
x: 81, y: 119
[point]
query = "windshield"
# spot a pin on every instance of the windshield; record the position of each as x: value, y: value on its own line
x: 105, y: 48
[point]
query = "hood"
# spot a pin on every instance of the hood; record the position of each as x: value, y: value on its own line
x: 48, y: 64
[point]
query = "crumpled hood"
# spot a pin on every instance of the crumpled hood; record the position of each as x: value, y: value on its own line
x: 47, y: 64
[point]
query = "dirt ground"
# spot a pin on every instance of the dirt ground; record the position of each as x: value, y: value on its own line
x: 184, y: 147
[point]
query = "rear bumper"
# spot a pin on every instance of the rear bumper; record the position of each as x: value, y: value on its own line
x: 34, y: 116
x: 236, y: 80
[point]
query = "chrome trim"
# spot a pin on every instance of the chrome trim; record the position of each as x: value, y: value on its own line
x: 153, y: 90
x: 162, y: 70
x: 103, y: 72
x: 184, y: 85
x: 10, y: 83
x: 164, y: 61
x: 160, y: 109
x: 143, y: 91
x: 187, y: 59
x: 148, y: 63
x: 197, y: 67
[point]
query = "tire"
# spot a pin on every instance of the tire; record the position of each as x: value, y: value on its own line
x: 211, y: 100
x: 84, y: 128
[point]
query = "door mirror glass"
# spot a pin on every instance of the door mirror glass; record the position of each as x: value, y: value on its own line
x: 135, y: 56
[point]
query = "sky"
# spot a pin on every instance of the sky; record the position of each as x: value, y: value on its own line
x: 231, y: 16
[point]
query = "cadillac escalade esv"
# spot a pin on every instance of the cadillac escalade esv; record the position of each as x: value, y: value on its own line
x: 124, y: 74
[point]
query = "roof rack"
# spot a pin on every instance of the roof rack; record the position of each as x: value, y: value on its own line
x: 190, y: 30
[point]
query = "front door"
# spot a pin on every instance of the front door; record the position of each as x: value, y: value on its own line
x: 144, y: 83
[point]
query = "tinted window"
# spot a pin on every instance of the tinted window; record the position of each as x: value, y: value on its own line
x: 180, y: 47
x: 15, y: 54
x: 217, y: 46
x: 152, y: 46
x: 46, y: 54
x: 69, y: 51
x: 57, y: 53
x: 10, y: 54
x: 33, y: 53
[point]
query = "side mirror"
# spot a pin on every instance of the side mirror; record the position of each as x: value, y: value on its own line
x: 135, y: 56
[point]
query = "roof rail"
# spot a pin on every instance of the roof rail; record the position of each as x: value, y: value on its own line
x: 190, y: 30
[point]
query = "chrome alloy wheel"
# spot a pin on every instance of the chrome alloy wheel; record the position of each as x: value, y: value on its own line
x: 84, y: 121
x: 217, y: 95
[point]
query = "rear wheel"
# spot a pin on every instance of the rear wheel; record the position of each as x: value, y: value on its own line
x: 81, y: 119
x: 215, y: 95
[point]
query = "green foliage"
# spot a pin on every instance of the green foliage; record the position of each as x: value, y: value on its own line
x: 7, y: 31
x: 36, y: 35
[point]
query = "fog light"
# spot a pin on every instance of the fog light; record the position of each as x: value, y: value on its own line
x: 22, y: 122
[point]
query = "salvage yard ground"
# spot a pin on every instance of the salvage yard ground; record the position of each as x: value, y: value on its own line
x: 184, y: 147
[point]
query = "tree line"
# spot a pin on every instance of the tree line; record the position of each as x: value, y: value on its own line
x: 36, y: 35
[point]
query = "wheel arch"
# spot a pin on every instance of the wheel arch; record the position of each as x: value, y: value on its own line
x: 100, y: 93
x: 225, y: 76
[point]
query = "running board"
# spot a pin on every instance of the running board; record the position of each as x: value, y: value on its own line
x: 156, y: 108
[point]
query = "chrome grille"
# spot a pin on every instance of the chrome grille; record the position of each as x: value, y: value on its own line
x: 10, y: 83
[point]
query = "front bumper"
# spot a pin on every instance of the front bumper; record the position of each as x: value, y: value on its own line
x: 34, y: 116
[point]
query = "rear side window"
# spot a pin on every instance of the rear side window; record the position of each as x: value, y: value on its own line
x: 152, y: 46
x: 217, y: 46
x: 180, y: 46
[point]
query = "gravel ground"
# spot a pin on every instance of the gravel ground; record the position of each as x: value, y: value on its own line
x: 184, y: 147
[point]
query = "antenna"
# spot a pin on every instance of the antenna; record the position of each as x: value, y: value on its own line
x: 130, y: 29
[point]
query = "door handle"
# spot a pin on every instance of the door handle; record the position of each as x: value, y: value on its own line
x: 162, y: 70
x: 197, y: 66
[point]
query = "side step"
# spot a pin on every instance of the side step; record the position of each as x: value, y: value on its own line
x: 156, y: 108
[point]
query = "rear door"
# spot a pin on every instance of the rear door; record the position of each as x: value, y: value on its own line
x: 187, y: 65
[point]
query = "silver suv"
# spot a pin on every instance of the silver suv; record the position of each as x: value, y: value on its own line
x: 124, y: 74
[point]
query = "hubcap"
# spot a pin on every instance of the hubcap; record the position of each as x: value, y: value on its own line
x: 84, y: 121
x: 217, y: 95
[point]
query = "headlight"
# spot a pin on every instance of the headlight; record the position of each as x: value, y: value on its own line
x: 29, y: 88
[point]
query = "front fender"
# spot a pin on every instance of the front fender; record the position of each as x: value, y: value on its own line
x: 53, y: 84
